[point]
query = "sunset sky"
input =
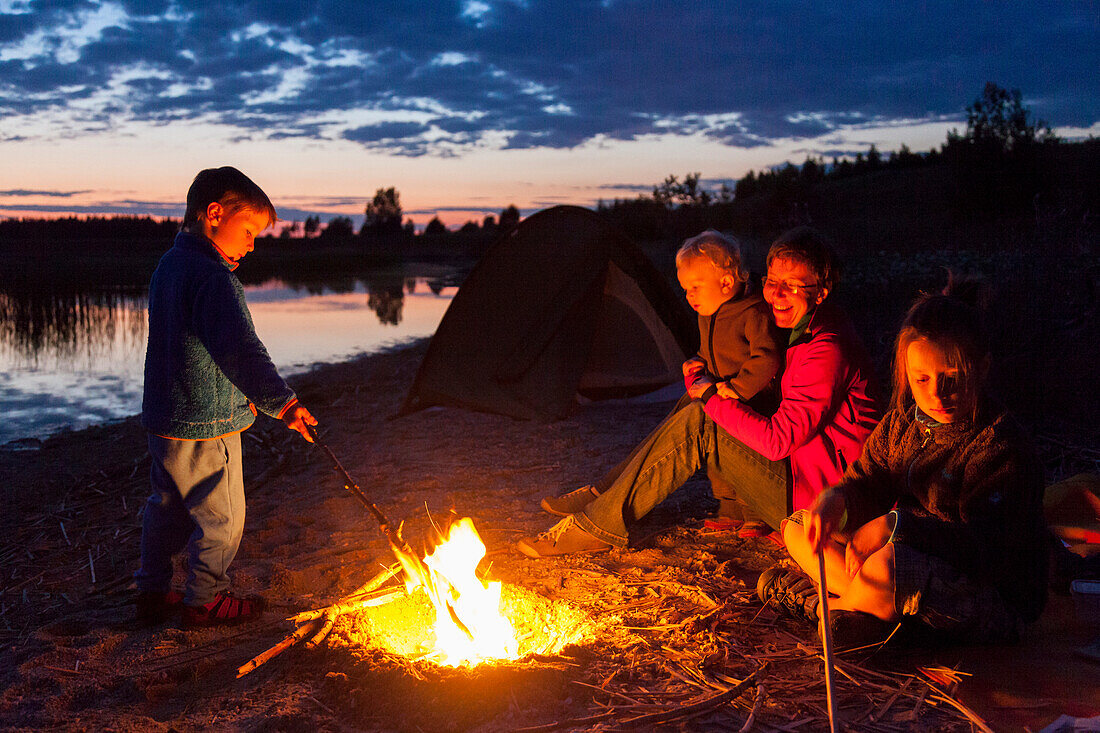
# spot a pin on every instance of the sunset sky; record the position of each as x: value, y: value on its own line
x: 466, y: 107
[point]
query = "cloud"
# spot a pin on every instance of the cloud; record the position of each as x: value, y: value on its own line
x: 52, y: 194
x: 511, y: 74
x: 111, y: 208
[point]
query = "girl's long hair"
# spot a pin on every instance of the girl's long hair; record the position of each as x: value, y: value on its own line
x: 954, y: 321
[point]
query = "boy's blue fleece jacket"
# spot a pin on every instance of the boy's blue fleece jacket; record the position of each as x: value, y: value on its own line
x: 204, y: 363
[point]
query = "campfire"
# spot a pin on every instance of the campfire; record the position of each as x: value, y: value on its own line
x: 445, y: 613
x: 469, y: 626
x: 678, y: 637
x: 450, y: 615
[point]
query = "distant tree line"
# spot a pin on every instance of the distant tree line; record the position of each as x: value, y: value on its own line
x: 385, y: 229
x: 1005, y: 166
x: 128, y: 230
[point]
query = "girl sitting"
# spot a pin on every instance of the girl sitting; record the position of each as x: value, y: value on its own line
x: 939, y: 524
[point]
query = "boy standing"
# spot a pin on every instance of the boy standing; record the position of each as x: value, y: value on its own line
x: 206, y: 376
x: 740, y: 350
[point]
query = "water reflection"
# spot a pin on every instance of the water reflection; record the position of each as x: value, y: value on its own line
x: 71, y: 326
x: 70, y: 358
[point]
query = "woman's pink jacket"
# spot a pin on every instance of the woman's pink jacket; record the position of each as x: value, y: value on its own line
x: 829, y: 405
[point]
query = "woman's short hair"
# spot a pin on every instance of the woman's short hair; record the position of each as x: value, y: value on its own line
x: 722, y: 250
x: 812, y: 249
x: 953, y: 321
x: 228, y: 187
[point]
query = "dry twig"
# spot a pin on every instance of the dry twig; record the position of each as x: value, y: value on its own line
x: 264, y: 657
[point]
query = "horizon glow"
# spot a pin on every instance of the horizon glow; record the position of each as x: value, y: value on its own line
x: 111, y: 110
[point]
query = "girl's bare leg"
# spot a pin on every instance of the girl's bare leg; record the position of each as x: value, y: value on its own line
x: 872, y: 588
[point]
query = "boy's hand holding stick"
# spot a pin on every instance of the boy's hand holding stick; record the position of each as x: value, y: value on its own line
x: 299, y: 419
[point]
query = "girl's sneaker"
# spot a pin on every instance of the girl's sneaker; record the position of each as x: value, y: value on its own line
x: 789, y: 592
x: 225, y: 610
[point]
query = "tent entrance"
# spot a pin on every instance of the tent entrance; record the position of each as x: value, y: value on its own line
x: 632, y: 349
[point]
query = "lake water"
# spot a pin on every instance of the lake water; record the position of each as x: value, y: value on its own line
x: 69, y: 361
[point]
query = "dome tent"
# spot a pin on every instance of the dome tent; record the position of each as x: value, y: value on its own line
x: 563, y: 305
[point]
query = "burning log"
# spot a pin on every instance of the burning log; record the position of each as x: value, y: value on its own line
x: 352, y: 600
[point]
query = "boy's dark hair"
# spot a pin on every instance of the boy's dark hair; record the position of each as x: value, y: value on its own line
x: 229, y: 187
x: 953, y: 321
x: 811, y: 248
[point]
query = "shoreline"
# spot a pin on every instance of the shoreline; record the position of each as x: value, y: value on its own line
x: 32, y: 443
x: 52, y: 465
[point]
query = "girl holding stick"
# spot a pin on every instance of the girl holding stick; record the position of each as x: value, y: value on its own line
x: 939, y: 524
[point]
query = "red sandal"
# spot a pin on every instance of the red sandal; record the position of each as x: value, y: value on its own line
x: 224, y: 610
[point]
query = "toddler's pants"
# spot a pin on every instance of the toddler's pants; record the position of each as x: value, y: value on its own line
x: 197, y: 503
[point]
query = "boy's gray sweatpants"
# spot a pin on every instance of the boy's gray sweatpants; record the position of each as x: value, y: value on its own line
x: 198, y: 504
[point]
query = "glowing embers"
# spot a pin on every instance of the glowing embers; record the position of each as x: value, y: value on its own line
x: 454, y: 618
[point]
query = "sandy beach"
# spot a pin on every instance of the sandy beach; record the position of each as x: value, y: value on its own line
x: 666, y: 617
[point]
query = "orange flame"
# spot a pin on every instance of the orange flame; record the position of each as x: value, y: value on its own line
x: 469, y: 625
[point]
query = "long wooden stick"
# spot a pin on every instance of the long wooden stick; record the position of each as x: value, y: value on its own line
x: 410, y: 560
x: 262, y: 658
x: 392, y: 534
x: 826, y: 639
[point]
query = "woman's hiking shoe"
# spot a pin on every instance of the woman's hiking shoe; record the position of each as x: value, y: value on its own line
x: 224, y: 610
x: 152, y: 608
x: 789, y: 592
x: 571, y: 503
x: 722, y: 524
x: 754, y: 528
x: 564, y: 538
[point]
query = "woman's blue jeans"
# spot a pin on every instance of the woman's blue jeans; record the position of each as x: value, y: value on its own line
x: 684, y: 442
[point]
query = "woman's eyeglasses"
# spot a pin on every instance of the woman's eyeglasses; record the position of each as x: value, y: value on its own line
x: 786, y: 286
